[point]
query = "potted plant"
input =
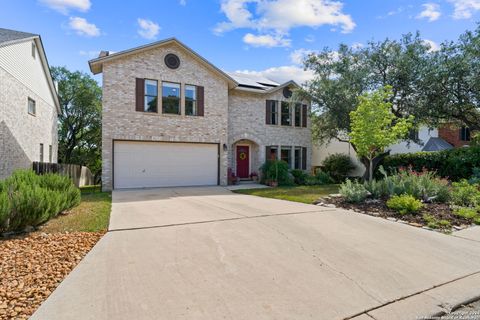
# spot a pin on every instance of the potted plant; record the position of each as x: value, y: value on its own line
x: 254, y: 176
x: 232, y: 178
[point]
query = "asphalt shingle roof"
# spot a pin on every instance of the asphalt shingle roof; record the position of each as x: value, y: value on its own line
x: 436, y: 144
x: 7, y: 35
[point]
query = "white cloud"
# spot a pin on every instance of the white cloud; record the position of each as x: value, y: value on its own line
x: 464, y: 9
x: 266, y: 40
x: 89, y: 53
x: 431, y: 11
x: 183, y: 2
x: 277, y: 17
x: 299, y: 55
x: 283, y: 74
x: 83, y: 27
x: 310, y: 38
x: 64, y: 6
x: 357, y: 45
x: 433, y: 45
x: 148, y: 29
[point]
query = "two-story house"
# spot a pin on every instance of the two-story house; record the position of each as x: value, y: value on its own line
x: 29, y: 105
x: 171, y: 118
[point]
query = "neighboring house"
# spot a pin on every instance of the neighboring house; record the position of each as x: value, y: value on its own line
x: 457, y: 136
x: 29, y: 104
x: 428, y: 140
x: 171, y: 118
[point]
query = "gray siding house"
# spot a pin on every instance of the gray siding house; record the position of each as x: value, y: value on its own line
x: 171, y: 118
x: 29, y: 104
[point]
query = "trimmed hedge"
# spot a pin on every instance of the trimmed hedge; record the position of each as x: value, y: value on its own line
x: 27, y: 199
x: 454, y: 164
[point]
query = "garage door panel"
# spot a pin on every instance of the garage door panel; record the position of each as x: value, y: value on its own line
x: 162, y: 164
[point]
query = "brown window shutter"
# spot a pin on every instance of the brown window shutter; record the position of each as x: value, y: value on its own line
x: 268, y: 113
x: 140, y: 94
x: 268, y: 151
x: 304, y: 158
x: 304, y: 115
x: 200, y: 101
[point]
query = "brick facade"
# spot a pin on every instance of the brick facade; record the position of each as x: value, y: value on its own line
x: 230, y: 116
x: 452, y: 134
x: 20, y: 132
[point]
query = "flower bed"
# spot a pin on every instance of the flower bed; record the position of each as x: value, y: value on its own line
x: 419, y: 198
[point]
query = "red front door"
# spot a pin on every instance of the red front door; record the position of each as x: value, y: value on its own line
x: 243, y: 161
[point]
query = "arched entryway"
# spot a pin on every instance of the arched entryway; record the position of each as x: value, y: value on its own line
x: 246, y: 158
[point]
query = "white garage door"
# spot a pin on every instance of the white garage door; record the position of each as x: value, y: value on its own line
x: 164, y: 164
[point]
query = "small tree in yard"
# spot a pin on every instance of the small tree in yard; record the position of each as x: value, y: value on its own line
x: 374, y: 126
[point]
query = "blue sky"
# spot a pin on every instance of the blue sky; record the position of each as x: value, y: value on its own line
x: 264, y: 36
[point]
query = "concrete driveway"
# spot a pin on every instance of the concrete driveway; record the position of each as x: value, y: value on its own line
x: 206, y: 253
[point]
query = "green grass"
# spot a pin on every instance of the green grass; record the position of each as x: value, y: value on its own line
x: 304, y: 194
x: 91, y: 215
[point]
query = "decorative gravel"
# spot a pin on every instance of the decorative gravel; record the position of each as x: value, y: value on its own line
x: 32, y: 266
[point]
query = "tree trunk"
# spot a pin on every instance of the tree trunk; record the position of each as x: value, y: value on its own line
x: 370, y: 170
x: 376, y: 161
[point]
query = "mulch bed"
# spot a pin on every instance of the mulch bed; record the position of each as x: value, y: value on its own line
x: 33, y: 265
x: 378, y: 208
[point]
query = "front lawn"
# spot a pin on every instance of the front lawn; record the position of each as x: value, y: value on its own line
x: 91, y: 215
x: 304, y: 194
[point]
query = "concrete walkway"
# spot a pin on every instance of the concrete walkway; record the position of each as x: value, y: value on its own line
x: 206, y: 253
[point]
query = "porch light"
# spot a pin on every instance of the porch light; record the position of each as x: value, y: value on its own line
x: 225, y: 148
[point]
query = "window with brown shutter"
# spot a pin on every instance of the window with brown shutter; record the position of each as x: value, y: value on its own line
x: 139, y: 94
x: 200, y: 101
x: 268, y: 112
x: 304, y: 115
x: 304, y: 158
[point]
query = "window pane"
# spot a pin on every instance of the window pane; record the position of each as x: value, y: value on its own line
x: 274, y: 114
x: 31, y: 106
x: 273, y: 154
x: 298, y: 110
x: 171, y: 98
x: 151, y: 88
x: 298, y: 158
x: 191, y: 100
x: 286, y: 117
x: 151, y: 104
x: 286, y: 156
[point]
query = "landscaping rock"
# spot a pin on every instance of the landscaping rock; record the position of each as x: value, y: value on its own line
x: 32, y: 266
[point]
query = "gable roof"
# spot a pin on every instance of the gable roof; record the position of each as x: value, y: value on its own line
x: 436, y: 144
x: 9, y: 37
x: 96, y: 65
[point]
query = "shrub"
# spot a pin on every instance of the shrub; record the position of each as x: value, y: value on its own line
x: 435, y: 223
x: 4, y: 208
x: 353, y: 192
x: 456, y: 164
x: 338, y: 166
x: 404, y: 204
x: 320, y: 178
x: 475, y: 178
x: 276, y: 170
x: 28, y: 200
x: 467, y: 213
x: 465, y: 194
x: 299, y: 176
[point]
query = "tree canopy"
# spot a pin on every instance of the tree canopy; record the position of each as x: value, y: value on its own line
x: 79, y: 130
x: 374, y: 127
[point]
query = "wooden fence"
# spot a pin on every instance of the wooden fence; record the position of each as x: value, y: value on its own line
x: 80, y: 175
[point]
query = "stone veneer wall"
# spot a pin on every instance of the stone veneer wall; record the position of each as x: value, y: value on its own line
x: 20, y: 132
x: 247, y: 121
x: 121, y: 122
